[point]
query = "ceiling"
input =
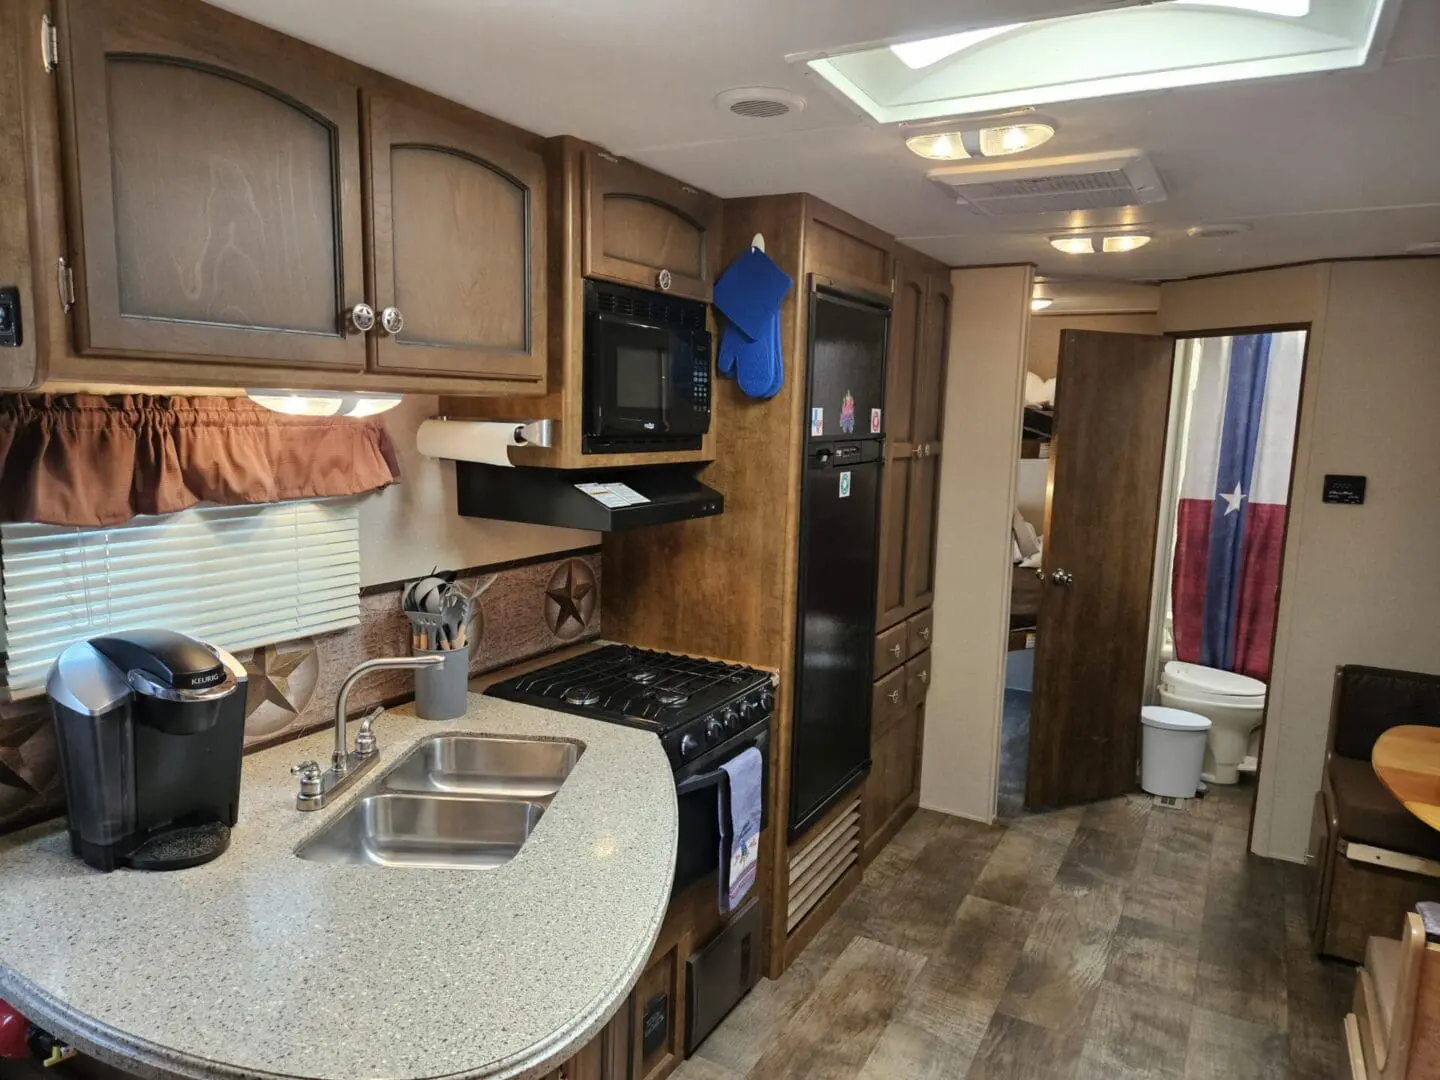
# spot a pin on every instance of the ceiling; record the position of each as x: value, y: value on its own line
x: 1319, y: 166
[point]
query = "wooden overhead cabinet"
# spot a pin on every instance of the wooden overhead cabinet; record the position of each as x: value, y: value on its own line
x: 211, y: 203
x: 214, y: 191
x: 458, y: 215
x: 648, y: 230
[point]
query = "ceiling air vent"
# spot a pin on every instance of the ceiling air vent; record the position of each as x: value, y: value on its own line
x: 759, y: 102
x: 1053, y: 185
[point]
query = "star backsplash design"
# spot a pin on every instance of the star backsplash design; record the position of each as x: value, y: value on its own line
x: 570, y: 599
x: 282, y: 682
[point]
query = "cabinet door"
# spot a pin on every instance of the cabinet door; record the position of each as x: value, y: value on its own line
x: 459, y: 247
x: 213, y: 172
x: 891, y: 788
x: 907, y: 333
x: 924, y: 488
x: 642, y: 228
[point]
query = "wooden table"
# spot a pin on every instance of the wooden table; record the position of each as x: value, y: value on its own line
x: 1407, y: 760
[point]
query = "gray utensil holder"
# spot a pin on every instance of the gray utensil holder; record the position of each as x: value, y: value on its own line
x: 441, y: 693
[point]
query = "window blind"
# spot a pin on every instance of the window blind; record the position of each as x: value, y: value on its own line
x: 236, y: 576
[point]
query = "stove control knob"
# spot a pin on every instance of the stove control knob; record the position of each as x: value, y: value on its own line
x: 767, y: 700
x: 689, y: 746
x: 714, y: 731
x: 731, y: 719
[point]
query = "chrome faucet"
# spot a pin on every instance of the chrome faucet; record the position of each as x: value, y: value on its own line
x: 317, y: 787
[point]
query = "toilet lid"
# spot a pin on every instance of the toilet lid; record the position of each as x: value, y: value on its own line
x: 1158, y: 716
x: 1212, y: 680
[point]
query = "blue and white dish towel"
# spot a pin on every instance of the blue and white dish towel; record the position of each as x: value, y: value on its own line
x: 740, y: 834
x: 748, y: 295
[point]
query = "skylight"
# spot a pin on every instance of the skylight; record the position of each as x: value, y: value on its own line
x: 1128, y: 50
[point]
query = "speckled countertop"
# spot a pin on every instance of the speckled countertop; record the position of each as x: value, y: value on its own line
x: 264, y: 965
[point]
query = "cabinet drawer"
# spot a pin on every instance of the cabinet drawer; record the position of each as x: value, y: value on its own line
x: 890, y: 649
x: 917, y: 680
x: 918, y: 633
x: 889, y: 700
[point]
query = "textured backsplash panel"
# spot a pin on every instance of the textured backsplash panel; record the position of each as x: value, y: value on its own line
x: 523, y: 611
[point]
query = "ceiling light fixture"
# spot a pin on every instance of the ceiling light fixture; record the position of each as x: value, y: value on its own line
x: 1090, y: 244
x: 1040, y: 303
x: 324, y: 402
x: 917, y: 55
x: 998, y: 141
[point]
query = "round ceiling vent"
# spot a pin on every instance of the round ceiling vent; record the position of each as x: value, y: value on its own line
x: 1215, y: 232
x: 759, y: 102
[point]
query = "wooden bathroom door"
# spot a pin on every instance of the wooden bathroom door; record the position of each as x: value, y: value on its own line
x: 1112, y: 401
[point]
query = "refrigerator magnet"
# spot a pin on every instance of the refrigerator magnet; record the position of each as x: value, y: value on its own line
x: 845, y: 485
x: 874, y: 421
x: 817, y: 421
x: 847, y: 414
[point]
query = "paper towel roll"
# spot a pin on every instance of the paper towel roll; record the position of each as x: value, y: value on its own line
x: 485, y: 441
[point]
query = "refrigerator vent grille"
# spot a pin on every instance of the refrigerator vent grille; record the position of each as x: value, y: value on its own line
x: 658, y: 311
x: 823, y: 861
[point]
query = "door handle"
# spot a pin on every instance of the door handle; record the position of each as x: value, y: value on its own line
x: 1062, y: 577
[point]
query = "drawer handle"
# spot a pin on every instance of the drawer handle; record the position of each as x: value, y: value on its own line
x: 925, y: 633
x: 925, y: 678
x: 894, y: 697
x: 895, y: 650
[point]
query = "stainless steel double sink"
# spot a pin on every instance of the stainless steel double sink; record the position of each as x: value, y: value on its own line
x: 454, y: 802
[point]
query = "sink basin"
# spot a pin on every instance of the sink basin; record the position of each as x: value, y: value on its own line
x: 529, y: 769
x: 434, y: 832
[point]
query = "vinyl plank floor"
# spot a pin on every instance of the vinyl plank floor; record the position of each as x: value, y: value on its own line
x: 1117, y: 941
x: 834, y: 1033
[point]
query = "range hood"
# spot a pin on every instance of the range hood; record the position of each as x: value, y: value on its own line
x: 602, y: 500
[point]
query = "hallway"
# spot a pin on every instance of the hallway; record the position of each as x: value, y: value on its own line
x: 1112, y: 942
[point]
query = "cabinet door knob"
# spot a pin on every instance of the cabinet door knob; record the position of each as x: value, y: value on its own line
x: 925, y: 633
x: 894, y: 697
x: 391, y: 320
x: 360, y: 319
x: 1062, y: 577
x: 925, y: 678
x: 895, y: 650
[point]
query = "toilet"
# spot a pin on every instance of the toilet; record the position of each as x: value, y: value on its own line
x: 1234, y: 704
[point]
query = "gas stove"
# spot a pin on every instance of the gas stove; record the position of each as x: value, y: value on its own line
x: 695, y: 706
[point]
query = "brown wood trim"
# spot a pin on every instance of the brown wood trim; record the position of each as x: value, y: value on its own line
x: 887, y: 829
x: 846, y: 287
x: 490, y: 568
x: 1237, y: 331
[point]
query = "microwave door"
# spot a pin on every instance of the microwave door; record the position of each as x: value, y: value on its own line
x: 633, y: 377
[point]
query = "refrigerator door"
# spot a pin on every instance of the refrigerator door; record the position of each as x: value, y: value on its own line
x: 831, y: 747
x: 847, y: 367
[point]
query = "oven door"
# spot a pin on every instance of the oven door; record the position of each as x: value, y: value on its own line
x: 699, y: 789
x: 628, y: 380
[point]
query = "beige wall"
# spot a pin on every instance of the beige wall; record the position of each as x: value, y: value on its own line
x: 413, y: 526
x: 972, y: 571
x: 1044, y: 349
x: 1361, y: 584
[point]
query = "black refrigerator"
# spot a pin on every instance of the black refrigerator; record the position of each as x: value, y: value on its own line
x: 839, y: 551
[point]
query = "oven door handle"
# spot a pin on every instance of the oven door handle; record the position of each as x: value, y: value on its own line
x: 715, y: 777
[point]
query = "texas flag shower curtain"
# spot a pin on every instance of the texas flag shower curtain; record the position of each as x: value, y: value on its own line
x: 1230, y: 529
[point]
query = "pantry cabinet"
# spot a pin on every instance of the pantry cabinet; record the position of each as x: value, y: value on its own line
x: 648, y: 230
x: 458, y: 214
x: 214, y: 188
x: 914, y: 393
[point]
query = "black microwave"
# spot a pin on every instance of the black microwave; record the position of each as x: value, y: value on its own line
x: 647, y: 371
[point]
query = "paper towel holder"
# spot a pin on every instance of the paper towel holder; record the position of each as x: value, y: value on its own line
x: 527, y: 433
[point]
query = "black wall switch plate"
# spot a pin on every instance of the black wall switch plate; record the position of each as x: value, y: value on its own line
x: 1346, y: 490
x: 11, y: 335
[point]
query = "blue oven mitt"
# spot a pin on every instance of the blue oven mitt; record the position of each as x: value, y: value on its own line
x: 749, y: 293
x: 757, y: 366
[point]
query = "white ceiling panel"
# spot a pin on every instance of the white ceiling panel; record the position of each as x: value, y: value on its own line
x: 1324, y: 165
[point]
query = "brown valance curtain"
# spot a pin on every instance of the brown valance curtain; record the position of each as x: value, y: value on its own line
x: 80, y: 459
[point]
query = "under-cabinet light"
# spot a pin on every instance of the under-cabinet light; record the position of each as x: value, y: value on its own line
x: 324, y: 402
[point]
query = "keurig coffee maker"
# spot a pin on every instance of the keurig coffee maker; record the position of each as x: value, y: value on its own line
x: 150, y: 725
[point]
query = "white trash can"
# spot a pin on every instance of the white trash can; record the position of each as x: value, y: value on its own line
x: 1172, y: 750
